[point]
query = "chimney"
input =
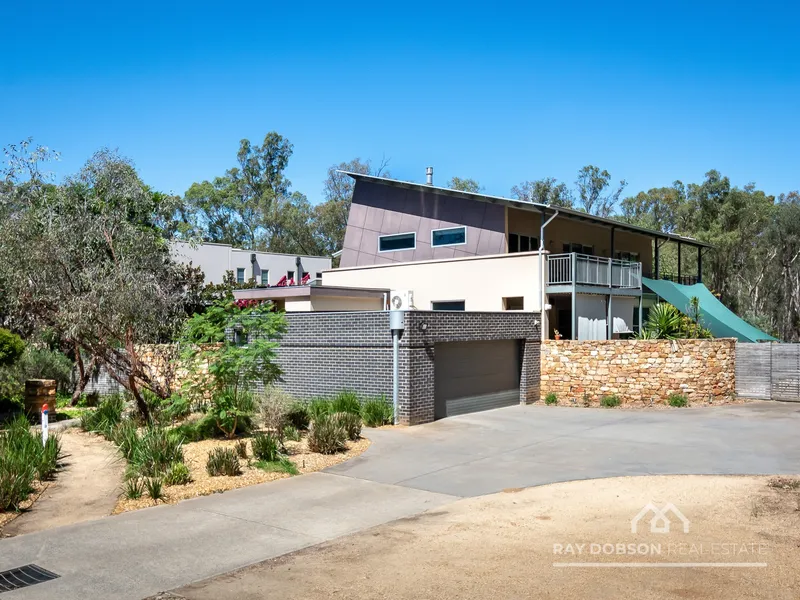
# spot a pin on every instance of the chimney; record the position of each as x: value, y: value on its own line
x: 429, y: 175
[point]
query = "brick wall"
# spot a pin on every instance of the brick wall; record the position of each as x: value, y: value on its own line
x: 324, y: 353
x: 638, y: 370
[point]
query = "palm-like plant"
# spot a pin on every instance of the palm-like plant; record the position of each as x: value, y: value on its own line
x: 664, y: 322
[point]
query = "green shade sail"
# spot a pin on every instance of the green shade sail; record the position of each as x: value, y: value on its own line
x: 713, y: 314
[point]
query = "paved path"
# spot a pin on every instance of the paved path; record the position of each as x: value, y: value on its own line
x: 405, y: 472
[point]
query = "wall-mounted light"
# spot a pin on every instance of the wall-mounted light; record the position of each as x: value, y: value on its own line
x: 423, y: 327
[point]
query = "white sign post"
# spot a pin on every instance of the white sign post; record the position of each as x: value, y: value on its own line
x: 45, y: 424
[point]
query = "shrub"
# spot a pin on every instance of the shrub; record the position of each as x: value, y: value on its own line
x: 177, y: 474
x: 677, y: 400
x: 299, y: 416
x: 274, y: 406
x: 199, y: 430
x: 126, y: 438
x: 290, y: 433
x: 177, y: 407
x: 265, y: 447
x: 155, y: 488
x: 283, y: 465
x: 319, y: 407
x: 223, y: 461
x: 133, y: 488
x: 326, y: 435
x: 376, y: 412
x: 42, y: 363
x: 156, y: 450
x: 351, y: 423
x: 551, y: 398
x: 105, y: 418
x: 346, y: 402
x: 241, y: 448
x: 16, y: 481
x: 24, y: 459
x: 233, y: 411
x: 610, y: 401
x: 48, y: 457
x: 11, y: 347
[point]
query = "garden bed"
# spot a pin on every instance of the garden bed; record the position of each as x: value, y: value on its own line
x: 202, y: 484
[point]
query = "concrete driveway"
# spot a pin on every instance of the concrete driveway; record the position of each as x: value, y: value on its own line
x: 405, y: 472
x: 523, y: 446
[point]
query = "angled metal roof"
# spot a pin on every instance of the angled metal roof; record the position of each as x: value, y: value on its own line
x: 570, y: 213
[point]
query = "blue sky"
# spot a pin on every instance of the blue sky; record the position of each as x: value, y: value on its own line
x: 500, y: 92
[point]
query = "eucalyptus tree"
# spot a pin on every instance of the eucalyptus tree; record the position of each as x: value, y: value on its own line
x: 86, y: 260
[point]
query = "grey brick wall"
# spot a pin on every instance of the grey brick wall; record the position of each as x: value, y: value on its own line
x: 324, y: 353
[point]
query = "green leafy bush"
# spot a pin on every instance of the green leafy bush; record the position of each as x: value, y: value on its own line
x: 223, y: 461
x: 326, y: 435
x: 346, y: 402
x: 199, y: 430
x: 177, y: 474
x: 23, y: 459
x: 232, y: 410
x: 678, y: 400
x: 48, y: 457
x: 11, y: 347
x: 376, y: 412
x: 42, y: 363
x: 156, y: 450
x: 126, y: 437
x: 610, y: 401
x: 319, y: 407
x: 265, y: 447
x: 282, y: 465
x: 290, y: 433
x: 351, y: 423
x: 299, y: 416
x: 105, y: 417
x: 551, y: 398
x: 155, y: 488
x: 133, y: 488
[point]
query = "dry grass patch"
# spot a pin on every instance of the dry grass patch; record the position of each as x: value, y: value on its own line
x: 202, y: 484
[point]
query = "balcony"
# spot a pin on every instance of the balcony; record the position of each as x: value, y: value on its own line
x: 593, y: 274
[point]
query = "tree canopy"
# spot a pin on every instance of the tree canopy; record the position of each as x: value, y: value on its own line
x: 86, y: 261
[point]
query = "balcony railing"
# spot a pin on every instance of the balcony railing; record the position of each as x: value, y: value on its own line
x: 581, y: 269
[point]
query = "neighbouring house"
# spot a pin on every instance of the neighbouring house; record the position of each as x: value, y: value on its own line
x: 456, y: 250
x: 249, y: 266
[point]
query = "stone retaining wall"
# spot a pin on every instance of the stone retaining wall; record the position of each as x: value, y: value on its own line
x: 638, y: 370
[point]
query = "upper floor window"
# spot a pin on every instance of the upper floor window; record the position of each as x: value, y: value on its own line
x: 319, y: 275
x: 264, y: 277
x: 240, y: 275
x: 522, y: 243
x: 397, y: 241
x: 289, y: 274
x: 630, y: 256
x: 578, y: 248
x: 448, y: 305
x: 452, y: 236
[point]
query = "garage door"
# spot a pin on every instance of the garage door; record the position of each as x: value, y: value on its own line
x: 473, y: 376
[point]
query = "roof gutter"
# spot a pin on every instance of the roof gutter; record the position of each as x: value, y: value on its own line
x: 541, y: 272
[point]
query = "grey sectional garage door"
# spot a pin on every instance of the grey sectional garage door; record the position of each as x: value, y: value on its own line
x: 473, y: 376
